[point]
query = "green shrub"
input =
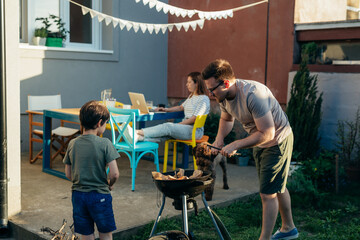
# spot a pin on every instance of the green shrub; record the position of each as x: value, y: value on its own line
x: 304, y: 112
x: 348, y: 133
x: 309, y: 52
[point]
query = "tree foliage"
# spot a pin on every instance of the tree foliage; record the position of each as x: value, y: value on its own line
x: 304, y: 111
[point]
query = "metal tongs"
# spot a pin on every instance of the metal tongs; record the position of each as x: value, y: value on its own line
x: 211, y: 146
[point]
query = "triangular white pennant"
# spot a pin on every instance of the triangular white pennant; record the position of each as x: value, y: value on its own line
x: 193, y: 25
x: 230, y: 13
x: 137, y: 1
x: 115, y: 22
x: 157, y: 28
x: 177, y: 12
x: 146, y: 2
x: 150, y: 28
x: 186, y: 26
x: 84, y: 10
x: 213, y: 15
x: 170, y: 27
x: 128, y: 25
x: 136, y: 27
x: 159, y: 6
x: 100, y: 17
x: 178, y: 26
x: 165, y: 9
x: 184, y: 13
x: 122, y: 24
x: 201, y: 14
x: 108, y: 20
x: 190, y: 13
x: 164, y: 28
x: 171, y: 10
x: 92, y: 13
x: 152, y: 3
x: 201, y: 23
x: 143, y: 27
x: 207, y: 16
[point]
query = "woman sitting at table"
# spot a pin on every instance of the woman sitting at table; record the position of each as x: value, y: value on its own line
x: 198, y: 103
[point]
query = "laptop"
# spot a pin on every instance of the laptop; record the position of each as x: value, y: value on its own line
x: 138, y: 102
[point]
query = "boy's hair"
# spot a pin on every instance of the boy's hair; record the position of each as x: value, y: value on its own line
x: 220, y: 69
x: 90, y: 114
x: 200, y: 87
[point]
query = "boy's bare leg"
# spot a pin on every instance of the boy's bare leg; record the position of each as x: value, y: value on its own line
x: 285, y: 211
x: 270, y: 209
x: 87, y: 237
x: 105, y: 236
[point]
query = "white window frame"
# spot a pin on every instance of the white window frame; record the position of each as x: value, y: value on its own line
x: 96, y: 26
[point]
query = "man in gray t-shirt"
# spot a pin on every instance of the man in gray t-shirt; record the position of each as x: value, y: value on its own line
x: 270, y: 134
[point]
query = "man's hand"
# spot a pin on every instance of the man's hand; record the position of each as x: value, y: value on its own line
x: 229, y: 150
x: 218, y: 144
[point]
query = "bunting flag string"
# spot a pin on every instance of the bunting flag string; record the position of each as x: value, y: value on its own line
x: 150, y: 27
x: 166, y: 8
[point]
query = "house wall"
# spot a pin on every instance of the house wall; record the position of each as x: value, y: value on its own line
x: 138, y: 64
x: 241, y: 40
x: 13, y: 106
x: 341, y: 99
x: 307, y: 11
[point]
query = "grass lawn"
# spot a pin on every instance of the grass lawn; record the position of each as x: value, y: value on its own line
x: 332, y: 216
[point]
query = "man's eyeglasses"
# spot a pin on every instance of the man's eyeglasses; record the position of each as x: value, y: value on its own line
x: 211, y: 90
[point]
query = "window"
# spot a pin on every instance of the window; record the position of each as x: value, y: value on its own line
x: 333, y: 52
x: 85, y: 32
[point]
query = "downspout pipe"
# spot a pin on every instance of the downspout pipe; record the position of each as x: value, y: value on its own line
x: 3, y: 136
x: 267, y: 42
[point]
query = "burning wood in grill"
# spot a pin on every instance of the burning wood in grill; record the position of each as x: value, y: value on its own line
x: 177, y: 175
x: 59, y: 234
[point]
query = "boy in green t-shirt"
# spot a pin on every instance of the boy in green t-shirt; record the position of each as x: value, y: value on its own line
x: 86, y: 160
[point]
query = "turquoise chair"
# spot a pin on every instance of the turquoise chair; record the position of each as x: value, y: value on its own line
x: 120, y: 119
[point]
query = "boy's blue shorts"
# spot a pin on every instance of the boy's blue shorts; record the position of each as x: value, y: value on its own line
x: 92, y: 207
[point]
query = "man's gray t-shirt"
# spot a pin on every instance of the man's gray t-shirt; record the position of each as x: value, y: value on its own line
x: 253, y: 100
x: 88, y: 156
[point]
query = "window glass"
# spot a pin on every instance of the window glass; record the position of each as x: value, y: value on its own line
x: 332, y: 52
x: 80, y: 25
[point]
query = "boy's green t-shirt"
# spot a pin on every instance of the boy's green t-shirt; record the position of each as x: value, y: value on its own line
x: 88, y: 156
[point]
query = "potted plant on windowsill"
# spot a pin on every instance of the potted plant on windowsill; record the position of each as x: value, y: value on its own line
x: 56, y: 39
x: 40, y: 36
x: 41, y: 33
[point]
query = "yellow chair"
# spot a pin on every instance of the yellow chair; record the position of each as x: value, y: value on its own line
x: 118, y: 105
x: 199, y: 123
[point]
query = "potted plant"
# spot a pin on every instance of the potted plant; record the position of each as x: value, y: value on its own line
x: 243, y: 156
x: 56, y: 39
x: 41, y: 33
x: 348, y: 133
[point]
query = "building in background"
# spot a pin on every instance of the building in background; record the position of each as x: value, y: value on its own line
x: 335, y: 28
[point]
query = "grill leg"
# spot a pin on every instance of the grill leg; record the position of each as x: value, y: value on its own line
x: 158, y: 217
x: 184, y: 215
x: 211, y: 215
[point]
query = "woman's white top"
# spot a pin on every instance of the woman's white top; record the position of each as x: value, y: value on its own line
x: 196, y: 105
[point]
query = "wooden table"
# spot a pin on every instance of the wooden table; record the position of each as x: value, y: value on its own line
x: 72, y: 114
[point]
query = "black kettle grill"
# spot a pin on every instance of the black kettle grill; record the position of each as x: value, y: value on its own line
x: 183, y: 193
